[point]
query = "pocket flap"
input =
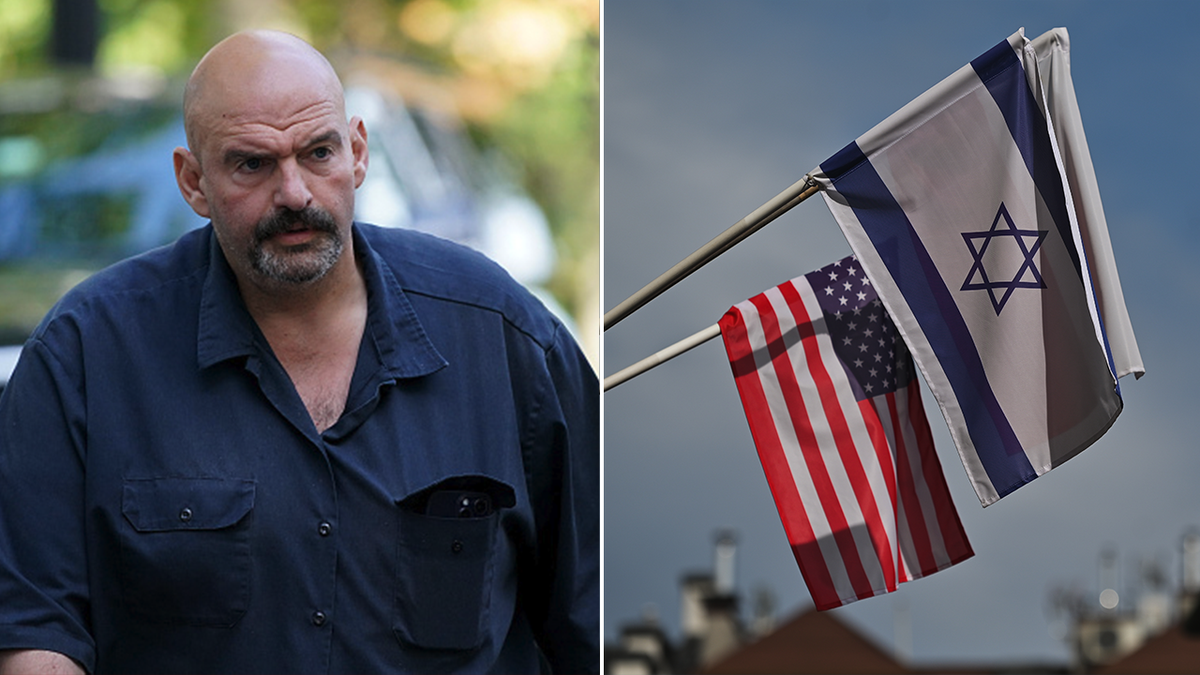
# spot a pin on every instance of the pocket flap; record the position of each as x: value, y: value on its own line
x: 162, y: 504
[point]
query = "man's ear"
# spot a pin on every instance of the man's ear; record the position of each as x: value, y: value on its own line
x: 358, y: 149
x: 188, y: 176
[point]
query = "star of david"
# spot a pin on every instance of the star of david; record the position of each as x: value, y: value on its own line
x: 1029, y: 242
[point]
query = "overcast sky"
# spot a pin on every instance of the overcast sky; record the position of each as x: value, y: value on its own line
x: 712, y: 108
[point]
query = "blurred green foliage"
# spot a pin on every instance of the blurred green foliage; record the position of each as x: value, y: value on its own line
x: 24, y: 33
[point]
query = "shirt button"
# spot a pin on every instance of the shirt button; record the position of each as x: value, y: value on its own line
x: 324, y: 529
x: 318, y: 618
x: 185, y: 514
x: 457, y: 546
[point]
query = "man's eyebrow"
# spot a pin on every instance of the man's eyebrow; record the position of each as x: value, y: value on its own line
x: 239, y: 155
x: 331, y: 137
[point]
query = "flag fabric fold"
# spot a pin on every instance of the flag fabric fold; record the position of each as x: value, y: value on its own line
x: 1058, y: 94
x: 833, y: 404
x: 974, y: 211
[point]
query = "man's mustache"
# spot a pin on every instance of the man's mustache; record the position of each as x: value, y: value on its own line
x: 285, y: 220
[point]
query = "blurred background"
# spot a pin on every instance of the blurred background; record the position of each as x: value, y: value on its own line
x: 483, y: 119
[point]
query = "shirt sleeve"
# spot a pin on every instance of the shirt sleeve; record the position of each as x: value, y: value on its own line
x: 565, y: 487
x: 43, y: 560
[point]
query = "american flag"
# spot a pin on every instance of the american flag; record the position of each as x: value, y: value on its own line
x: 835, y: 410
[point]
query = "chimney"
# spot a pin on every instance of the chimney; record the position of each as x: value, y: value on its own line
x: 724, y: 633
x: 1109, y: 579
x: 1191, y: 562
x: 694, y: 589
x: 764, y: 612
x: 1189, y: 591
x: 723, y: 565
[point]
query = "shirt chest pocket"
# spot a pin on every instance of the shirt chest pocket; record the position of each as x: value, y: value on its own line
x: 185, y: 549
x: 446, y: 562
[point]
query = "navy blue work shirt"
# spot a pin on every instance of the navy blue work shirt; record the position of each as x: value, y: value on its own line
x: 167, y: 505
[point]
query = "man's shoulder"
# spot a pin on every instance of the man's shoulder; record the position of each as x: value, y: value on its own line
x: 446, y: 272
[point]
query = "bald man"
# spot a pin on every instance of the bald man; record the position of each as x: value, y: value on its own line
x: 290, y: 442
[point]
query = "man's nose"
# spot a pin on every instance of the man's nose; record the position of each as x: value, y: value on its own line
x: 292, y: 191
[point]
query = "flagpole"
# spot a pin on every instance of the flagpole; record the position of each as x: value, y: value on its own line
x: 760, y: 217
x: 662, y: 356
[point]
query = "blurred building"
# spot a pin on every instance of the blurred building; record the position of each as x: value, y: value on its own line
x: 1157, y: 632
x: 1176, y: 649
x: 709, y: 619
x: 715, y: 639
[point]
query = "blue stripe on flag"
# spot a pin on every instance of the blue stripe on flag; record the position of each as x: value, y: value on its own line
x: 1002, y: 74
x: 925, y: 292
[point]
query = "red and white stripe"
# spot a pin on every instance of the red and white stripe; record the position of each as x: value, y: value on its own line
x: 845, y: 482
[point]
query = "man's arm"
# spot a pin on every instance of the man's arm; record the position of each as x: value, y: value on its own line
x: 43, y: 559
x: 36, y: 662
x: 569, y: 630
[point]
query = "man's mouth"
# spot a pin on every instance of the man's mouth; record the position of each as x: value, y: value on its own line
x: 288, y: 229
x: 294, y: 236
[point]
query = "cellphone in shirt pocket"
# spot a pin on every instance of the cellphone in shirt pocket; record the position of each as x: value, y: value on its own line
x: 459, y: 504
x: 445, y: 561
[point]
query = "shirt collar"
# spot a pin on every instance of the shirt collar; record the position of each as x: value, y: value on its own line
x: 226, y: 329
x: 405, y: 349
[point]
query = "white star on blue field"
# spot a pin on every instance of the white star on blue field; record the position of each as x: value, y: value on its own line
x: 711, y: 109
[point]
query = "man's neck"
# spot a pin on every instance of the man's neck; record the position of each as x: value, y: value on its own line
x: 315, y: 334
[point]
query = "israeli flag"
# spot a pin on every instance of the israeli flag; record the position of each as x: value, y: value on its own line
x: 974, y: 211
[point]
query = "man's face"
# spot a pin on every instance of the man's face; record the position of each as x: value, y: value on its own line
x: 277, y: 166
x: 281, y: 191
